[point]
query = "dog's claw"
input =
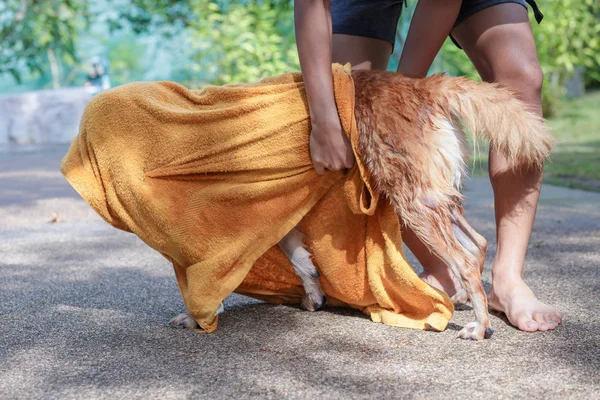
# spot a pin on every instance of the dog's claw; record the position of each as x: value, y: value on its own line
x: 475, y: 331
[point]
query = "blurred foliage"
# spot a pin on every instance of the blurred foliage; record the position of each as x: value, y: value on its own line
x: 569, y: 36
x: 230, y: 41
x: 242, y: 43
x: 165, y: 16
x: 126, y: 55
x: 170, y: 15
x: 39, y: 35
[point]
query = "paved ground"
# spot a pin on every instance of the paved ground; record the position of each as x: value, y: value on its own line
x: 84, y: 313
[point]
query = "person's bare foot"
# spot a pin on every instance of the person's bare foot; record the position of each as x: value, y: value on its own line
x: 513, y: 298
x: 522, y: 308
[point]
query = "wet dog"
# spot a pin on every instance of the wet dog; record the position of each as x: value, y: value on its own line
x: 413, y: 143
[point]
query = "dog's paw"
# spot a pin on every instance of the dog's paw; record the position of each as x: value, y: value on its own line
x: 314, y: 301
x: 475, y: 331
x: 460, y: 297
x: 184, y: 321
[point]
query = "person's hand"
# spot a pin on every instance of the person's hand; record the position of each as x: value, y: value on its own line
x: 330, y: 149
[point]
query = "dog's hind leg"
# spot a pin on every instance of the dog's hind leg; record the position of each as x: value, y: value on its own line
x: 293, y: 247
x: 471, y: 241
x: 459, y: 222
x: 435, y: 228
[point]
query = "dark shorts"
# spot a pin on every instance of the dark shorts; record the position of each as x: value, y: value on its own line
x: 379, y: 18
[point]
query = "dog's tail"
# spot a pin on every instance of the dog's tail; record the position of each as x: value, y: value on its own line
x: 490, y: 111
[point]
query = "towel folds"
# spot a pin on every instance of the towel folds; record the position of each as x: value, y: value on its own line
x: 213, y: 179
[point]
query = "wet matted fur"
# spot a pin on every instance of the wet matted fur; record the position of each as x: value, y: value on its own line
x: 412, y: 141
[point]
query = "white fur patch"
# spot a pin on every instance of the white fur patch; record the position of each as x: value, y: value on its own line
x: 451, y: 147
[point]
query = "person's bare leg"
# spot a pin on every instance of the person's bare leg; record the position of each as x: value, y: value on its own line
x: 500, y: 43
x: 435, y: 272
x: 362, y: 52
x: 430, y: 25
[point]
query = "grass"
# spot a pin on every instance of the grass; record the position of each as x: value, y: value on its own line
x: 575, y: 160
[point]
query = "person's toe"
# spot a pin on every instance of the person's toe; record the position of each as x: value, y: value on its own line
x: 552, y: 318
x: 556, y: 317
x: 541, y: 320
x: 551, y: 321
x: 527, y: 324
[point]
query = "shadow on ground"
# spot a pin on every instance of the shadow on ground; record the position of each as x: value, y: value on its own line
x: 84, y: 312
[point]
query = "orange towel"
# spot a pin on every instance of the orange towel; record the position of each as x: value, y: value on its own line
x: 213, y: 179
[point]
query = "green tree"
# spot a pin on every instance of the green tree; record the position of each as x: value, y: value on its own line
x: 569, y: 37
x: 169, y: 16
x: 41, y: 35
x: 125, y: 55
x: 241, y: 42
x: 230, y: 41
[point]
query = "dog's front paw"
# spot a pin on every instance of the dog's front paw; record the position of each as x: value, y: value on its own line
x: 314, y: 301
x: 184, y: 321
x: 475, y: 331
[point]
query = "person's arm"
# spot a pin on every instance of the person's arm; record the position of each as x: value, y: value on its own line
x: 329, y: 147
x: 430, y: 26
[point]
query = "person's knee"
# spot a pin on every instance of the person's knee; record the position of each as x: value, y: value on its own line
x: 524, y: 76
